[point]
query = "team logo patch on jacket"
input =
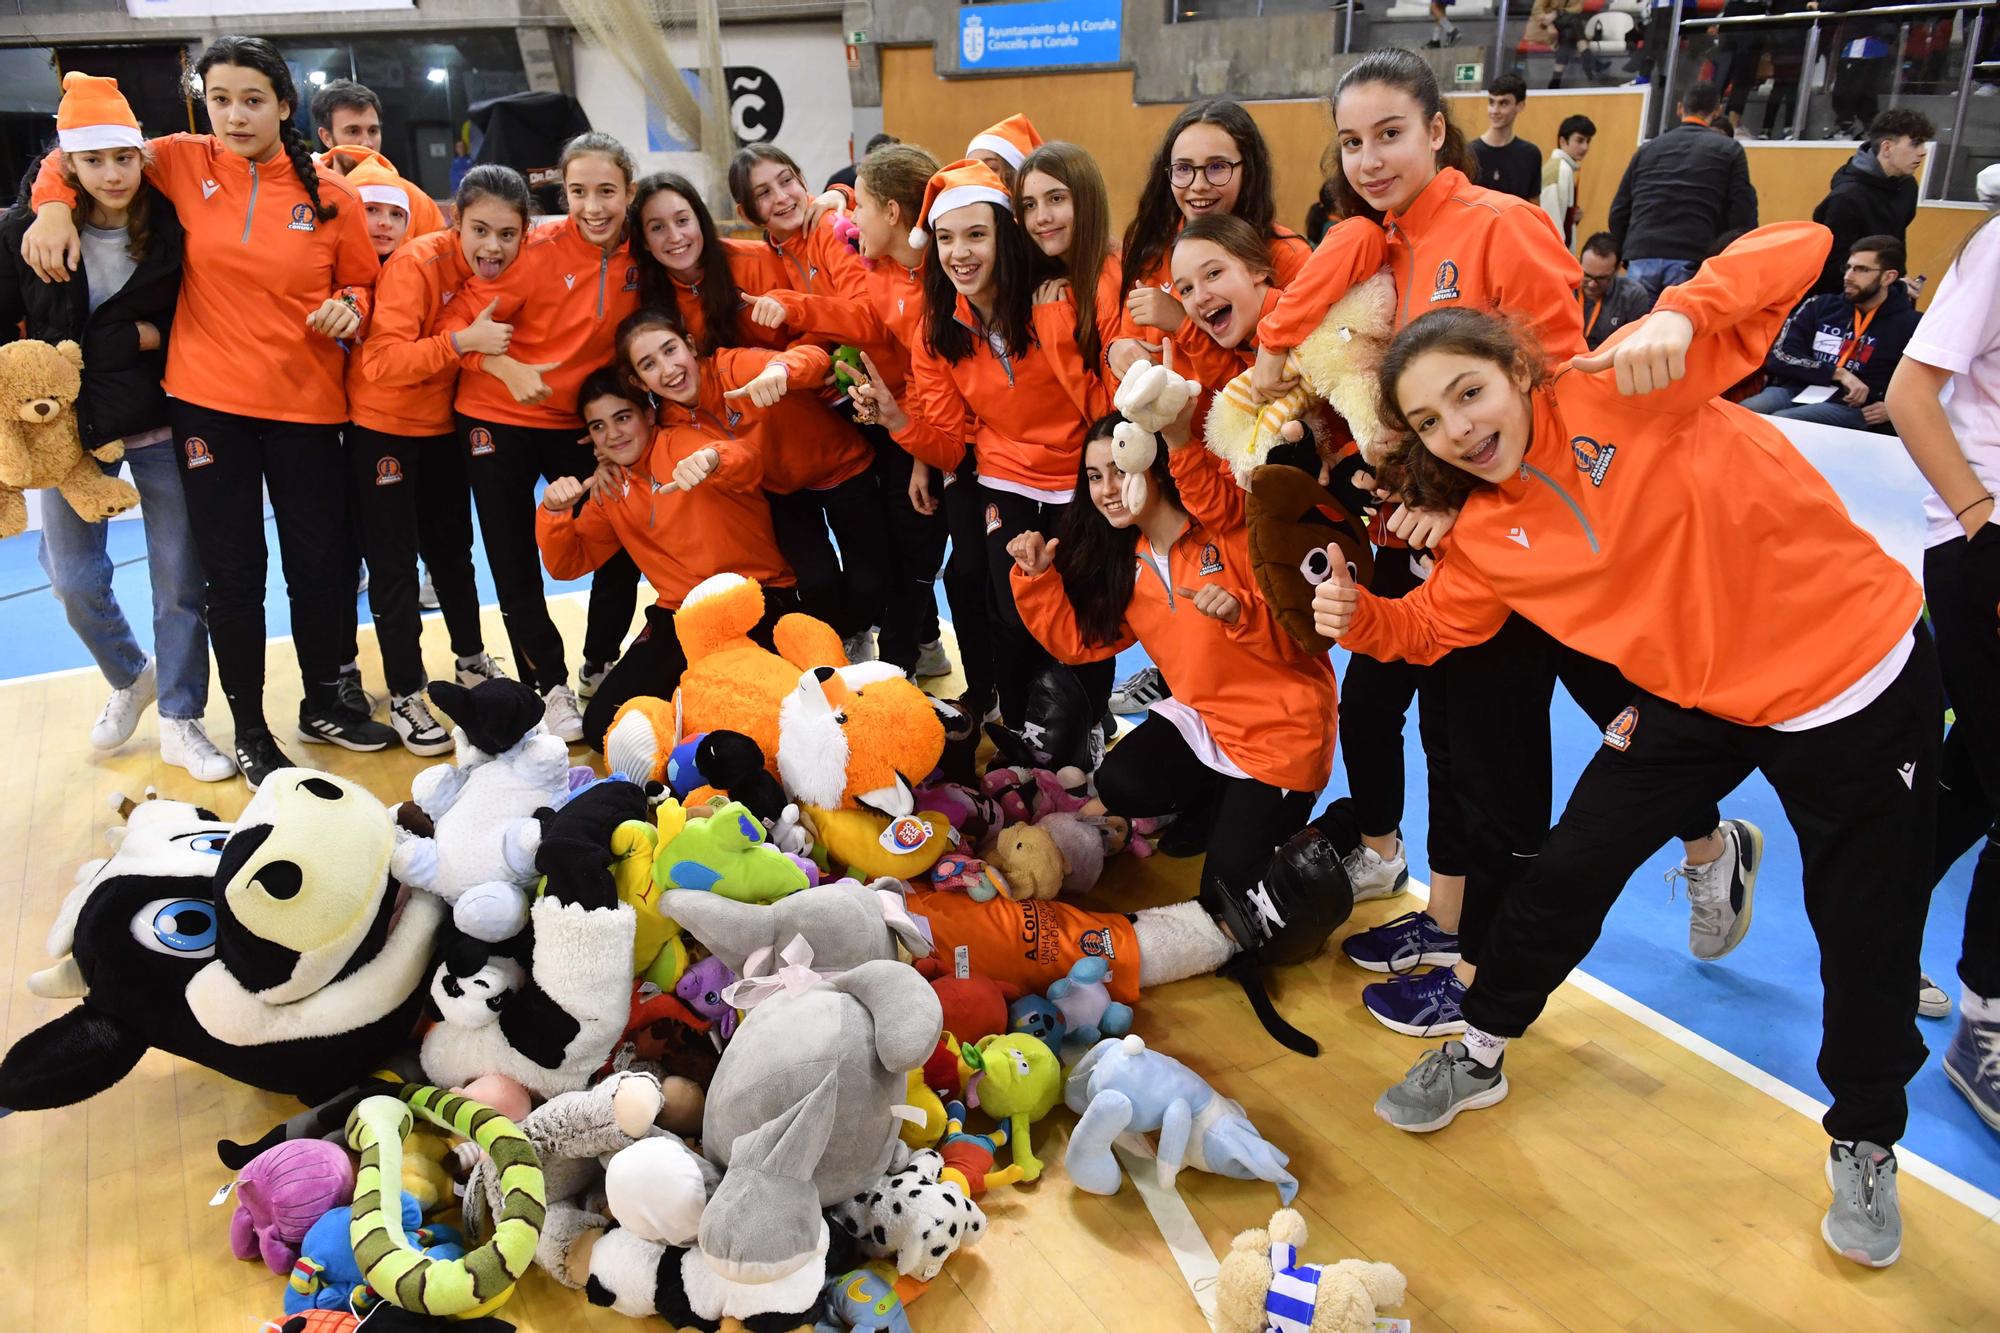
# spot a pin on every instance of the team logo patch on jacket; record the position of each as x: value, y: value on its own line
x: 1593, y: 460
x: 198, y: 452
x: 992, y: 519
x: 388, y: 472
x: 1446, y: 286
x: 1211, y: 559
x: 1618, y: 735
x: 302, y: 218
x: 632, y: 277
x: 481, y: 442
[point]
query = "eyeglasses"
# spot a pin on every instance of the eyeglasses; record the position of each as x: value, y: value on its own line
x: 1218, y: 170
x: 1863, y: 268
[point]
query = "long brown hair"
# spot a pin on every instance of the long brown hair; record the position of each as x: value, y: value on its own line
x: 1424, y: 480
x: 1154, y: 225
x: 1097, y: 561
x: 1089, y: 230
x: 1407, y: 72
x: 138, y: 214
x: 1234, y: 237
x: 720, y: 298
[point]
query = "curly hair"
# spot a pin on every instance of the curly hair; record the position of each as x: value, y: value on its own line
x: 1152, y: 229
x: 1421, y: 478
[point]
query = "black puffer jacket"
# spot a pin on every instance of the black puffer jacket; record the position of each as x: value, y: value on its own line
x: 1864, y: 201
x: 121, y: 384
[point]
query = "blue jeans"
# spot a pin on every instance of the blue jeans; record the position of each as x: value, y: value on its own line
x: 1656, y: 275
x: 1776, y: 401
x: 79, y: 569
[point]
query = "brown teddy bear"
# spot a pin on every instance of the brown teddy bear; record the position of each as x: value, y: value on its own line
x: 39, y: 445
x: 1030, y: 862
x: 1263, y: 1285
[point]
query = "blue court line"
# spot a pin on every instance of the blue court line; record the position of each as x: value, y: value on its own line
x: 1761, y: 1003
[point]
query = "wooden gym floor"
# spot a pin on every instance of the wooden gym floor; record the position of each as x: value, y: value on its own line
x: 1626, y: 1184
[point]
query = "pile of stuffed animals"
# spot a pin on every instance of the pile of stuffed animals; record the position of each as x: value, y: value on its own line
x: 741, y: 1033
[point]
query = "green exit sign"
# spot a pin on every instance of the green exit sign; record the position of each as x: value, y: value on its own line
x: 1465, y: 73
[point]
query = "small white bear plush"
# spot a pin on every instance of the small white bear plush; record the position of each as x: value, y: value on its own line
x: 1152, y: 396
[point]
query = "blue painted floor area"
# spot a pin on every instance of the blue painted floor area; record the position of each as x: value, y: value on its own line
x: 1762, y: 1002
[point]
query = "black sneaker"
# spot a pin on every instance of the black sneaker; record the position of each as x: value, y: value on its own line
x: 258, y: 756
x: 352, y: 695
x: 341, y: 724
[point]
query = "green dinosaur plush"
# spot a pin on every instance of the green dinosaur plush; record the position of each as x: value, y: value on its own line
x: 846, y: 361
x: 1018, y: 1080
x: 726, y: 854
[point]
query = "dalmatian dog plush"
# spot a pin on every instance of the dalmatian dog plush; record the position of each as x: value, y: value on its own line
x: 913, y: 1217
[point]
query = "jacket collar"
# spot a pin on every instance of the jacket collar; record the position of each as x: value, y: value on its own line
x: 1423, y: 210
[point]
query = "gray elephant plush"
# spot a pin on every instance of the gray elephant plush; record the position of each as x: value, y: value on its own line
x: 801, y: 1116
x: 845, y: 923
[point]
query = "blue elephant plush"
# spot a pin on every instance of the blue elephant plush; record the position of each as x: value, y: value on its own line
x: 326, y: 1276
x: 1120, y: 1085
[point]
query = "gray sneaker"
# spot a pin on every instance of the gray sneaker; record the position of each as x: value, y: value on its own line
x: 1720, y: 893
x: 1863, y: 1223
x: 1439, y: 1086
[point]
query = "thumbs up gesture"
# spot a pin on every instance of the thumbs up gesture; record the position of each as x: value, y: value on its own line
x: 1334, y: 600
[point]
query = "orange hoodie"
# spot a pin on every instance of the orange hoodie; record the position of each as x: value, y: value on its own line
x: 368, y: 167
x: 565, y: 298
x: 883, y: 321
x: 1267, y: 704
x: 677, y: 538
x: 1289, y: 254
x: 1678, y: 537
x: 401, y: 375
x: 1028, y: 413
x: 756, y: 270
x: 800, y: 442
x: 257, y: 263
x: 818, y: 261
x: 1457, y: 244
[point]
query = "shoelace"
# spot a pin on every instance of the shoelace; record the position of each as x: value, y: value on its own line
x: 1987, y: 1038
x: 1706, y: 900
x: 488, y: 666
x: 1867, y: 1187
x: 1410, y: 945
x: 412, y: 711
x: 194, y: 738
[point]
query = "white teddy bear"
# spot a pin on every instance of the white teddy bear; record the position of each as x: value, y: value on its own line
x: 1151, y: 398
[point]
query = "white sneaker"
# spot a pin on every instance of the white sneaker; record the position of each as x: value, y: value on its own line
x: 1932, y: 1002
x: 932, y: 661
x: 475, y: 669
x: 859, y: 647
x: 420, y: 733
x: 560, y: 714
x: 184, y: 743
x: 427, y: 593
x: 1375, y: 876
x: 1722, y: 893
x: 589, y: 676
x: 122, y: 710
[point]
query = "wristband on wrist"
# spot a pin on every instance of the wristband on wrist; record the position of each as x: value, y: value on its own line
x: 1974, y: 505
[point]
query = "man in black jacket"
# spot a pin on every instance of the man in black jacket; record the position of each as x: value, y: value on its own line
x: 1875, y: 192
x: 1681, y: 191
x: 1839, y: 351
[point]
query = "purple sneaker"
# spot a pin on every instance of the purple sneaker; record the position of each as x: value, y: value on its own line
x: 1402, y: 945
x: 1420, y: 1006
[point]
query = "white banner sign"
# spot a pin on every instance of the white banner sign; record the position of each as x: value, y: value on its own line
x: 203, y: 9
x: 787, y: 85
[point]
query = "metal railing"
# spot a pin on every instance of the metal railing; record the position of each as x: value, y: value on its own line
x: 1974, y: 35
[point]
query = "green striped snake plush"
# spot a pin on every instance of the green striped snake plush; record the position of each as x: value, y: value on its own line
x: 454, y: 1288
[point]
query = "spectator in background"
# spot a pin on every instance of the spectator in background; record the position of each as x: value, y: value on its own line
x: 344, y: 112
x: 1681, y: 191
x: 1508, y: 164
x: 1848, y: 343
x: 1447, y: 31
x: 1321, y: 212
x: 1559, y: 175
x: 845, y: 176
x: 1875, y: 192
x: 1610, y: 299
x: 1861, y: 52
x: 1567, y: 19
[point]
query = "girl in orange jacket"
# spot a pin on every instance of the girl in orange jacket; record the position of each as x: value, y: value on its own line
x: 1212, y: 160
x: 517, y: 412
x: 770, y: 192
x: 1000, y: 348
x: 1622, y: 506
x: 278, y: 269
x: 1242, y: 746
x: 1452, y: 243
x: 882, y: 320
x: 681, y: 489
x: 817, y: 466
x: 1061, y: 201
x: 408, y: 472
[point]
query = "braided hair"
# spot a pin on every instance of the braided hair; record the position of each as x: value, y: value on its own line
x: 258, y: 54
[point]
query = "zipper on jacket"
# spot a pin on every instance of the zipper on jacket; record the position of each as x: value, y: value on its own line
x: 1005, y: 359
x: 603, y: 272
x: 1529, y: 470
x: 1166, y: 584
x: 250, y: 213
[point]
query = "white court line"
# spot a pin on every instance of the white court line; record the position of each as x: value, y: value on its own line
x: 1914, y: 1164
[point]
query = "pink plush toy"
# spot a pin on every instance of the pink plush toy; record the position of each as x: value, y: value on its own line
x: 280, y: 1195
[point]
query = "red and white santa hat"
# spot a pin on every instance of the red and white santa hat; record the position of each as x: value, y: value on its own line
x: 955, y: 186
x: 1011, y: 140
x: 94, y: 114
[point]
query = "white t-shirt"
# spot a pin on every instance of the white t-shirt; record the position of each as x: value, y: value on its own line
x: 1961, y: 333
